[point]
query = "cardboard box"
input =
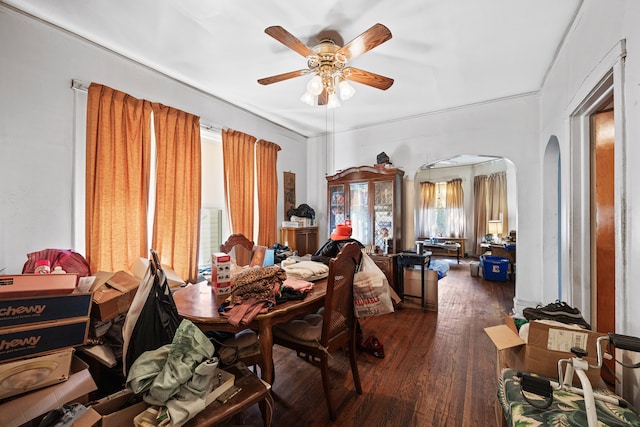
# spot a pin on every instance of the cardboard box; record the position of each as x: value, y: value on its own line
x: 38, y: 338
x: 114, y: 410
x: 222, y: 288
x: 20, y: 311
x: 31, y: 285
x: 22, y: 409
x: 25, y: 375
x: 140, y: 266
x: 413, y: 286
x: 546, y: 345
x: 112, y: 294
x: 220, y: 257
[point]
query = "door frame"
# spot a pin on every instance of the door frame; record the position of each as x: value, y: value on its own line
x: 606, y: 80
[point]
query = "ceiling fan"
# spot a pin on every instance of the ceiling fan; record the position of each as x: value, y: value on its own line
x: 328, y: 61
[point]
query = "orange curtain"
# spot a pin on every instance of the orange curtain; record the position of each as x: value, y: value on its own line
x: 266, y: 161
x: 238, y: 160
x: 178, y: 190
x: 117, y: 178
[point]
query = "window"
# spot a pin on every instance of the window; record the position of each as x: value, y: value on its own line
x: 213, y: 203
x: 440, y: 210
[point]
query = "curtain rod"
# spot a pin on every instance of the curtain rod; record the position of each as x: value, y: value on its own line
x: 83, y: 86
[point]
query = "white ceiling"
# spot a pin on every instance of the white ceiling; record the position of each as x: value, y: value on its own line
x: 443, y: 54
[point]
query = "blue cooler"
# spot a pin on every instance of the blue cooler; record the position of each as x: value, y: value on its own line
x: 494, y: 268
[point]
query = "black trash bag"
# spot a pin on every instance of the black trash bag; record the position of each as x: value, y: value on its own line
x: 152, y: 319
x: 303, y: 211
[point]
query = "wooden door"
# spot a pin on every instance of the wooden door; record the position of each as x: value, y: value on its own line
x: 603, y: 225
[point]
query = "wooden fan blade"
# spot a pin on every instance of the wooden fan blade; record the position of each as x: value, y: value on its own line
x: 366, y: 41
x: 367, y: 78
x: 284, y: 76
x: 323, y: 98
x: 289, y: 40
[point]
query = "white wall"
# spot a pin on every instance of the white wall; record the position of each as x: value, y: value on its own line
x: 37, y: 121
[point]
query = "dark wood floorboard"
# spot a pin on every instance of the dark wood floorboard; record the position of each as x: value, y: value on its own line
x: 439, y: 368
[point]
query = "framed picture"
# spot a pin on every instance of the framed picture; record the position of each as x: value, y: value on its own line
x: 289, y: 193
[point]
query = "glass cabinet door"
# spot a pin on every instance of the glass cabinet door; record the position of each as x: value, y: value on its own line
x: 383, y: 213
x: 359, y: 212
x: 336, y: 206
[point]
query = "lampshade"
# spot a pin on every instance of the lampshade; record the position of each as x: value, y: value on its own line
x: 333, y: 101
x: 315, y: 85
x: 308, y: 98
x: 494, y: 227
x: 346, y: 90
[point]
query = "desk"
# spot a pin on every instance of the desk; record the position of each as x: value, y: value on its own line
x: 448, y: 248
x: 409, y: 259
x: 199, y: 304
x: 253, y: 391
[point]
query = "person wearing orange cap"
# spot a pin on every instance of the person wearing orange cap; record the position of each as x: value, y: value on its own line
x: 340, y: 237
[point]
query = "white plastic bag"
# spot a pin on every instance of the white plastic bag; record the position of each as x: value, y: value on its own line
x: 371, y: 293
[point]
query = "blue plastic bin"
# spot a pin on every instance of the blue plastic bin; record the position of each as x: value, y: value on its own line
x: 494, y: 268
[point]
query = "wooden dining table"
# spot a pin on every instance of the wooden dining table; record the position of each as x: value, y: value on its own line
x: 199, y: 304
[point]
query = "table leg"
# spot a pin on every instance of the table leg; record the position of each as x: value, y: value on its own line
x: 422, y: 287
x: 266, y: 407
x: 266, y: 350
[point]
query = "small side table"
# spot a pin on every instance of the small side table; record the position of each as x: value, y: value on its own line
x: 253, y: 390
x: 409, y: 259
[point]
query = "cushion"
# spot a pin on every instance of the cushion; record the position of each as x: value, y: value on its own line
x: 308, y: 328
x: 244, y: 338
x: 567, y: 409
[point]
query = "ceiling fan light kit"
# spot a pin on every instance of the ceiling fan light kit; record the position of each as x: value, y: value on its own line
x: 328, y: 63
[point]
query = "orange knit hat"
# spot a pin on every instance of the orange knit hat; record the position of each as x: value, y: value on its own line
x: 342, y: 231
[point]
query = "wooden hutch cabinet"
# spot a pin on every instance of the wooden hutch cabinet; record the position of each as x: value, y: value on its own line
x: 371, y: 197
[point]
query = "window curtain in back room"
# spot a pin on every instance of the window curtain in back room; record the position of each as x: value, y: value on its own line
x: 427, y: 219
x: 455, y: 208
x: 238, y: 160
x: 497, y: 199
x: 117, y: 178
x: 178, y: 190
x: 266, y: 162
x: 480, y: 211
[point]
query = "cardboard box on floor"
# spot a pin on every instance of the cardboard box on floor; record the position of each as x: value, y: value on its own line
x: 412, y: 286
x: 546, y: 345
x: 112, y: 294
x: 33, y: 339
x: 112, y: 411
x: 24, y: 375
x: 44, y: 308
x: 22, y: 409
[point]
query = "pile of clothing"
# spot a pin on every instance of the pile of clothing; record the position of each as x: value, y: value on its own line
x: 176, y: 377
x: 253, y: 291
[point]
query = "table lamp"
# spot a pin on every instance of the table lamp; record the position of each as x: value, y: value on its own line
x: 494, y: 227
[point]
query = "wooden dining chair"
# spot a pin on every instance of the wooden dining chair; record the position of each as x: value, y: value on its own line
x: 242, y: 248
x: 318, y: 335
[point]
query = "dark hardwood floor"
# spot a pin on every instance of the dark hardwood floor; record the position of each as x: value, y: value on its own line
x: 439, y: 368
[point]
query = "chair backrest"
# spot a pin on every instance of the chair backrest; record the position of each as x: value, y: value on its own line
x: 339, y: 317
x: 241, y: 246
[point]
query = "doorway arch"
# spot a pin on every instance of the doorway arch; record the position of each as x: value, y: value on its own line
x: 551, y: 223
